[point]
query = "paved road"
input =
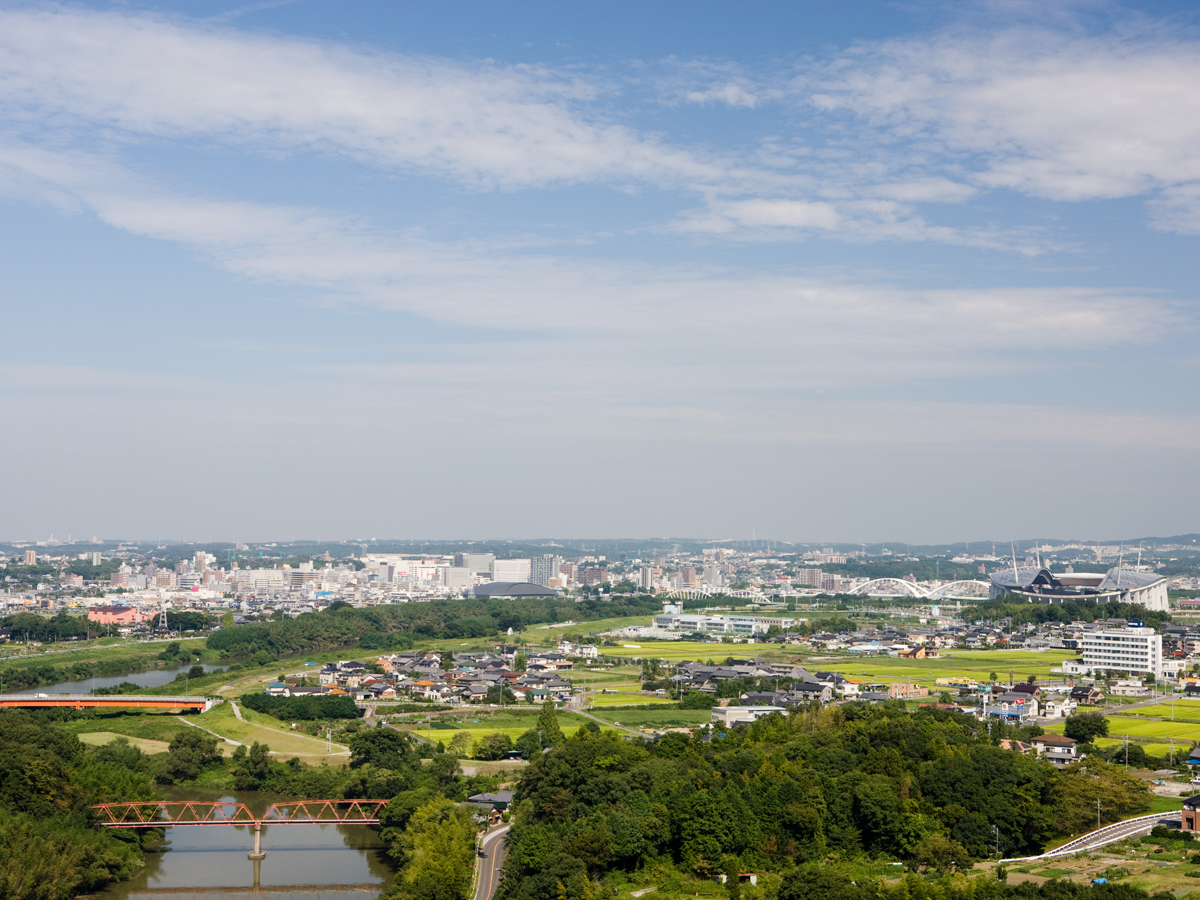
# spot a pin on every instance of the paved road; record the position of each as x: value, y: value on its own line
x: 588, y: 715
x: 492, y: 850
x: 1109, y: 834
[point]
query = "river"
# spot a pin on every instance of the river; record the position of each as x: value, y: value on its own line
x: 153, y: 678
x: 303, y: 862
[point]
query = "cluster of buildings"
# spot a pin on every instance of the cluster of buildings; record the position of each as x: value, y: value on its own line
x: 434, y: 677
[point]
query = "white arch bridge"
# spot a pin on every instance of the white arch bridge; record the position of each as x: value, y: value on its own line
x: 898, y: 587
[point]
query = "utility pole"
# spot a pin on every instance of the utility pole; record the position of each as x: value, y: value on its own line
x: 996, y: 832
x: 1097, y: 812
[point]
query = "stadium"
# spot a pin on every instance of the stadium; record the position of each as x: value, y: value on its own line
x: 1037, y: 583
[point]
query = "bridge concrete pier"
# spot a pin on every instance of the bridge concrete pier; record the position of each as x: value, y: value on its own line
x: 258, y: 852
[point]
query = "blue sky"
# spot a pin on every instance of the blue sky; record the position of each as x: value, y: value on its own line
x: 821, y: 271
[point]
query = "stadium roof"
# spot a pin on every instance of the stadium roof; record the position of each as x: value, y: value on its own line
x: 1027, y: 578
x: 1023, y: 577
x: 513, y: 589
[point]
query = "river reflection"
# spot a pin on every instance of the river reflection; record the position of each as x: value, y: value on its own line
x: 303, y: 862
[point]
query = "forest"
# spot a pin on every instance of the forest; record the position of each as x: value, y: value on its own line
x: 52, y: 847
x: 928, y: 789
x: 391, y: 627
x: 1023, y: 612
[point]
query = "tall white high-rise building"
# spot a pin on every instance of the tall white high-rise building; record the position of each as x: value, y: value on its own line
x: 543, y: 568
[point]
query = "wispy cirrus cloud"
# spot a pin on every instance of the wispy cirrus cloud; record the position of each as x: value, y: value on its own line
x: 598, y: 307
x: 486, y: 124
x: 1045, y: 113
x: 70, y: 75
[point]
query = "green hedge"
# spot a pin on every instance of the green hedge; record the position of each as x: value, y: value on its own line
x: 302, y: 708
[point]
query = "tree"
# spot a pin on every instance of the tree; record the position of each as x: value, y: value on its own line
x: 1083, y: 783
x: 993, y: 677
x: 189, y: 753
x: 520, y: 661
x: 438, y: 849
x: 382, y: 747
x: 251, y: 769
x: 547, y: 724
x: 732, y: 885
x: 493, y: 746
x: 1086, y: 726
x: 940, y: 854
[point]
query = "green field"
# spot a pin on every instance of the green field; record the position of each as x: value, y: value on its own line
x: 648, y: 717
x: 974, y: 664
x: 99, y: 738
x: 1182, y: 710
x: 678, y: 651
x: 1120, y: 727
x: 513, y: 723
x: 155, y: 726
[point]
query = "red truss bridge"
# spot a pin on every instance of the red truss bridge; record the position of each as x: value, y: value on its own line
x: 196, y: 813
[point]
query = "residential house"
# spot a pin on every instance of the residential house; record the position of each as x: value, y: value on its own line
x: 1059, y: 750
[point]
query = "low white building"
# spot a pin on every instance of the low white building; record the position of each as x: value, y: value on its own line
x: 730, y: 716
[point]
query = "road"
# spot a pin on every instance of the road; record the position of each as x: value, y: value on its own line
x: 588, y: 715
x: 492, y: 851
x: 1109, y: 834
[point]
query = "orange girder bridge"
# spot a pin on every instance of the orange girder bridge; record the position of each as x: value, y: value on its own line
x: 114, y: 701
x: 172, y: 813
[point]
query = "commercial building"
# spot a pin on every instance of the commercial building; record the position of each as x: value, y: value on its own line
x: 1118, y: 585
x: 673, y: 618
x: 511, y: 570
x: 1132, y: 649
x: 479, y: 563
x: 117, y: 615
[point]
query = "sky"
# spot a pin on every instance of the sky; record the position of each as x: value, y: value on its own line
x: 809, y: 271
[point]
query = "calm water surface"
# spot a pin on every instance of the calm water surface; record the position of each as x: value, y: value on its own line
x: 155, y: 678
x: 304, y: 862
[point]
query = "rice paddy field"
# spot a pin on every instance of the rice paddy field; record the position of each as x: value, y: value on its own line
x: 476, y: 724
x: 974, y: 664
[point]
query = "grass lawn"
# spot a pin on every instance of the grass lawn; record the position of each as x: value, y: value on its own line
x: 99, y: 738
x: 264, y: 729
x: 155, y: 726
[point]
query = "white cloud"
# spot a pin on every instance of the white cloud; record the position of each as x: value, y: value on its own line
x: 1040, y: 112
x: 485, y: 124
x: 578, y: 302
x: 729, y: 93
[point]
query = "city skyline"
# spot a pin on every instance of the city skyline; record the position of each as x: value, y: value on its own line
x: 793, y: 270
